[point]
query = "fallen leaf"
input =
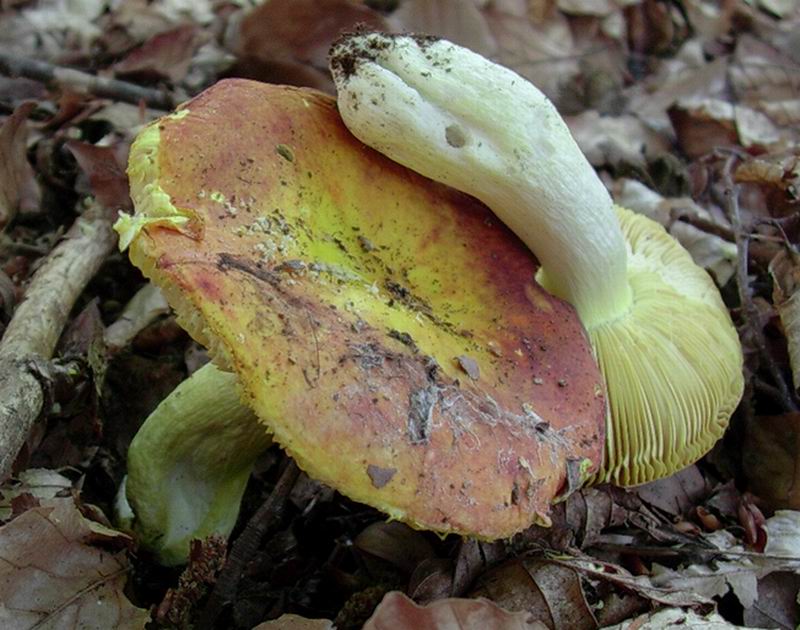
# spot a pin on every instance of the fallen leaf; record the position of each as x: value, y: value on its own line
x: 609, y: 140
x: 675, y: 618
x: 771, y: 459
x: 39, y: 483
x: 705, y: 125
x: 52, y: 577
x: 167, y: 55
x: 551, y: 593
x: 295, y: 622
x: 675, y: 494
x: 685, y: 75
x: 460, y: 22
x: 398, y: 612
x: 543, y: 53
x: 768, y: 80
x: 49, y: 29
x: 18, y: 185
x: 785, y: 272
x: 105, y: 168
x: 287, y: 41
x: 396, y: 543
x: 776, y: 605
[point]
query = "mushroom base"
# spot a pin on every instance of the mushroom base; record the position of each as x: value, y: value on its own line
x: 189, y: 464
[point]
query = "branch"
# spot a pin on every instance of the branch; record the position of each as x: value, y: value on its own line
x: 92, y: 84
x: 34, y: 330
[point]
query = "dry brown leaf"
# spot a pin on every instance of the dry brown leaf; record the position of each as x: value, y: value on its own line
x: 295, y: 622
x: 459, y: 21
x: 51, y: 577
x: 51, y: 29
x: 676, y: 494
x: 776, y: 606
x: 685, y: 75
x: 396, y: 543
x: 287, y: 41
x: 771, y: 458
x: 167, y: 55
x: 39, y: 483
x: 550, y: 592
x: 785, y: 272
x: 543, y: 53
x: 607, y: 140
x: 105, y: 169
x: 639, y: 584
x: 675, y: 618
x: 600, y: 8
x: 398, y: 612
x: 704, y: 125
x: 18, y: 186
x: 768, y: 81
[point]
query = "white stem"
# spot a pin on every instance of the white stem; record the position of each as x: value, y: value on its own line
x: 189, y: 463
x: 460, y: 119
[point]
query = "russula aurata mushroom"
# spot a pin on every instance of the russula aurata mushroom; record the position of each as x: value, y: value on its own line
x: 670, y: 356
x: 385, y: 329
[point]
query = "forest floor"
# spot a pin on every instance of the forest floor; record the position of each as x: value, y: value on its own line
x: 690, y: 111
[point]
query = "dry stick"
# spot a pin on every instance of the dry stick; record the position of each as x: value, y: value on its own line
x: 246, y: 546
x: 749, y: 309
x: 83, y: 81
x: 36, y: 326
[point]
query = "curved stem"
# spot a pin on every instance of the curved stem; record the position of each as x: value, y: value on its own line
x: 460, y: 119
x: 189, y: 463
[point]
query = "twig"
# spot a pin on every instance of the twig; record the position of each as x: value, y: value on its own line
x: 83, y: 81
x: 266, y: 518
x: 749, y: 309
x: 34, y: 330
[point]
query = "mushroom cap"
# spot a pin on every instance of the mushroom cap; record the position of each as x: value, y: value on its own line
x: 672, y: 363
x: 388, y: 330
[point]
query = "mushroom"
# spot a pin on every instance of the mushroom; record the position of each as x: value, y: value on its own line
x: 386, y: 330
x: 670, y: 356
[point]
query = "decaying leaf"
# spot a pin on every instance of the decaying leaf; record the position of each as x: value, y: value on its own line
x: 39, y: 483
x: 398, y: 612
x: 551, y: 593
x: 287, y: 41
x: 705, y: 125
x: 771, y: 458
x: 17, y: 183
x: 52, y: 577
x: 167, y: 55
x: 460, y: 22
x: 295, y: 622
x: 785, y: 272
x: 608, y: 140
x: 675, y: 618
x: 105, y: 169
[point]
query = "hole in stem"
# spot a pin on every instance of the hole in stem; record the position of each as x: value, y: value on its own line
x: 455, y: 136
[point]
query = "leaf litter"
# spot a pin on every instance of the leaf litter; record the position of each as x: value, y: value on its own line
x: 679, y: 106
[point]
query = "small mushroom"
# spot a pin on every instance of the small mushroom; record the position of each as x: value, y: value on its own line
x: 345, y: 353
x: 670, y: 356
